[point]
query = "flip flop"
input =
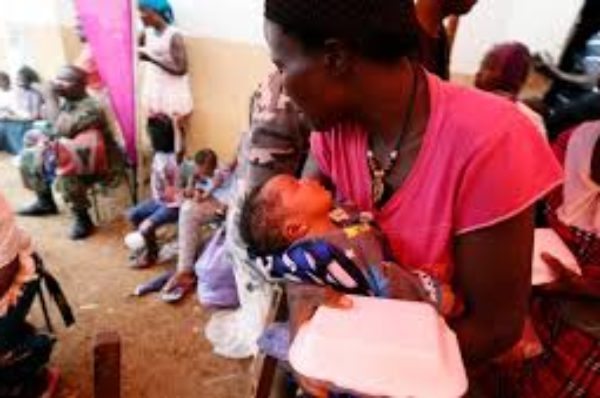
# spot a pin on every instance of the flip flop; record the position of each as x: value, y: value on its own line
x: 173, y: 296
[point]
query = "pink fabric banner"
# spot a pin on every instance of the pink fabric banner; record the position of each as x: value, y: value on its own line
x: 108, y: 29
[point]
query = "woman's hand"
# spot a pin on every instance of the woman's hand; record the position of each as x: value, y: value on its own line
x: 170, y: 194
x: 303, y: 301
x: 184, y: 279
x: 567, y: 282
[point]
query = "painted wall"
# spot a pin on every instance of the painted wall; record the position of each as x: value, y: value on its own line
x: 32, y: 38
x: 217, y: 36
x: 228, y: 56
x: 540, y: 24
x: 224, y: 74
x: 227, y: 61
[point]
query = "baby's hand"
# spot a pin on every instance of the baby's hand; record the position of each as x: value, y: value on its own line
x: 188, y: 193
x: 170, y: 194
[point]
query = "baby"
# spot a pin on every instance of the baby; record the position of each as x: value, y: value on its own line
x: 293, y: 227
x: 209, y: 183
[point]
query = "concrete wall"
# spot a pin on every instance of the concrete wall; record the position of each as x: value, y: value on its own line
x: 30, y: 37
x: 228, y: 56
x: 540, y: 24
x: 227, y: 59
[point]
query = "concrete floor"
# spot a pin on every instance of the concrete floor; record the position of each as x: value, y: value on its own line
x: 165, y: 354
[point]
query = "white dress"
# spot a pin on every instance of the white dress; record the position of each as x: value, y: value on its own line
x: 163, y: 92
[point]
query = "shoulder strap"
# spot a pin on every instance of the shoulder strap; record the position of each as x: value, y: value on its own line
x: 55, y: 292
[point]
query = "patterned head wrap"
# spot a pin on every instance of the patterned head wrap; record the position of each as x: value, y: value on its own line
x: 161, y: 7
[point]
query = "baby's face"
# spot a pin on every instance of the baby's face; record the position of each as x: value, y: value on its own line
x: 204, y: 170
x: 304, y: 197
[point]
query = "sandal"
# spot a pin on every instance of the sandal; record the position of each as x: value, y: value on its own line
x: 173, y: 296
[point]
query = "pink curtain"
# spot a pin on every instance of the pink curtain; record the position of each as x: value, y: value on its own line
x: 108, y: 29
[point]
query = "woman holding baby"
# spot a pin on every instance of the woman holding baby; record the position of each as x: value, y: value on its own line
x: 451, y: 175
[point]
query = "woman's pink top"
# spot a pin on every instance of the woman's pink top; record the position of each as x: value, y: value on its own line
x: 481, y: 162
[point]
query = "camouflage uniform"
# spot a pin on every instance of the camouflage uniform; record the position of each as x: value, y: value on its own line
x: 38, y: 159
x: 276, y: 143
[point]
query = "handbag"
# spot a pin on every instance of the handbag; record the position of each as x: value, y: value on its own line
x: 216, y: 280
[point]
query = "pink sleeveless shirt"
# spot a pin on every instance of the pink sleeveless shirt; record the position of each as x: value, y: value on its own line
x: 481, y: 162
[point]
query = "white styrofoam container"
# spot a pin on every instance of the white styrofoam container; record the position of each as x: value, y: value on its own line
x: 380, y: 347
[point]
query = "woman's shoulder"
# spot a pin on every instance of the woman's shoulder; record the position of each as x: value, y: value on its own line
x: 473, y: 118
x: 173, y: 31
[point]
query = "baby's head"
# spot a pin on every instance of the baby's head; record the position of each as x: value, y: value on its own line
x: 205, y: 163
x: 504, y: 68
x: 282, y: 211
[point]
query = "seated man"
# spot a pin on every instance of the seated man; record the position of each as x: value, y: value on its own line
x: 74, y: 151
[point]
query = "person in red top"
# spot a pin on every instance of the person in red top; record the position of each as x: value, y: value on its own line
x: 450, y: 173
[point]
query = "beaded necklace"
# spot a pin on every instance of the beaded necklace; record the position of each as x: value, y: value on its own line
x: 380, y: 189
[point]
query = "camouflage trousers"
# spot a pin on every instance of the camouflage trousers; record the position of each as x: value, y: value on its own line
x: 38, y: 172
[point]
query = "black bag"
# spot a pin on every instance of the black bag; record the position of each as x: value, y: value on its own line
x: 25, y: 351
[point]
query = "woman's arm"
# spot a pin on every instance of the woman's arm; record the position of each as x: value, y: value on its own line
x: 451, y: 29
x: 493, y: 272
x: 179, y: 67
x: 430, y: 16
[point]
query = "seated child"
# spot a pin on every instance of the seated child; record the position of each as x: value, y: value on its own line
x: 210, y: 185
x: 326, y: 247
x: 207, y: 196
x: 163, y: 207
